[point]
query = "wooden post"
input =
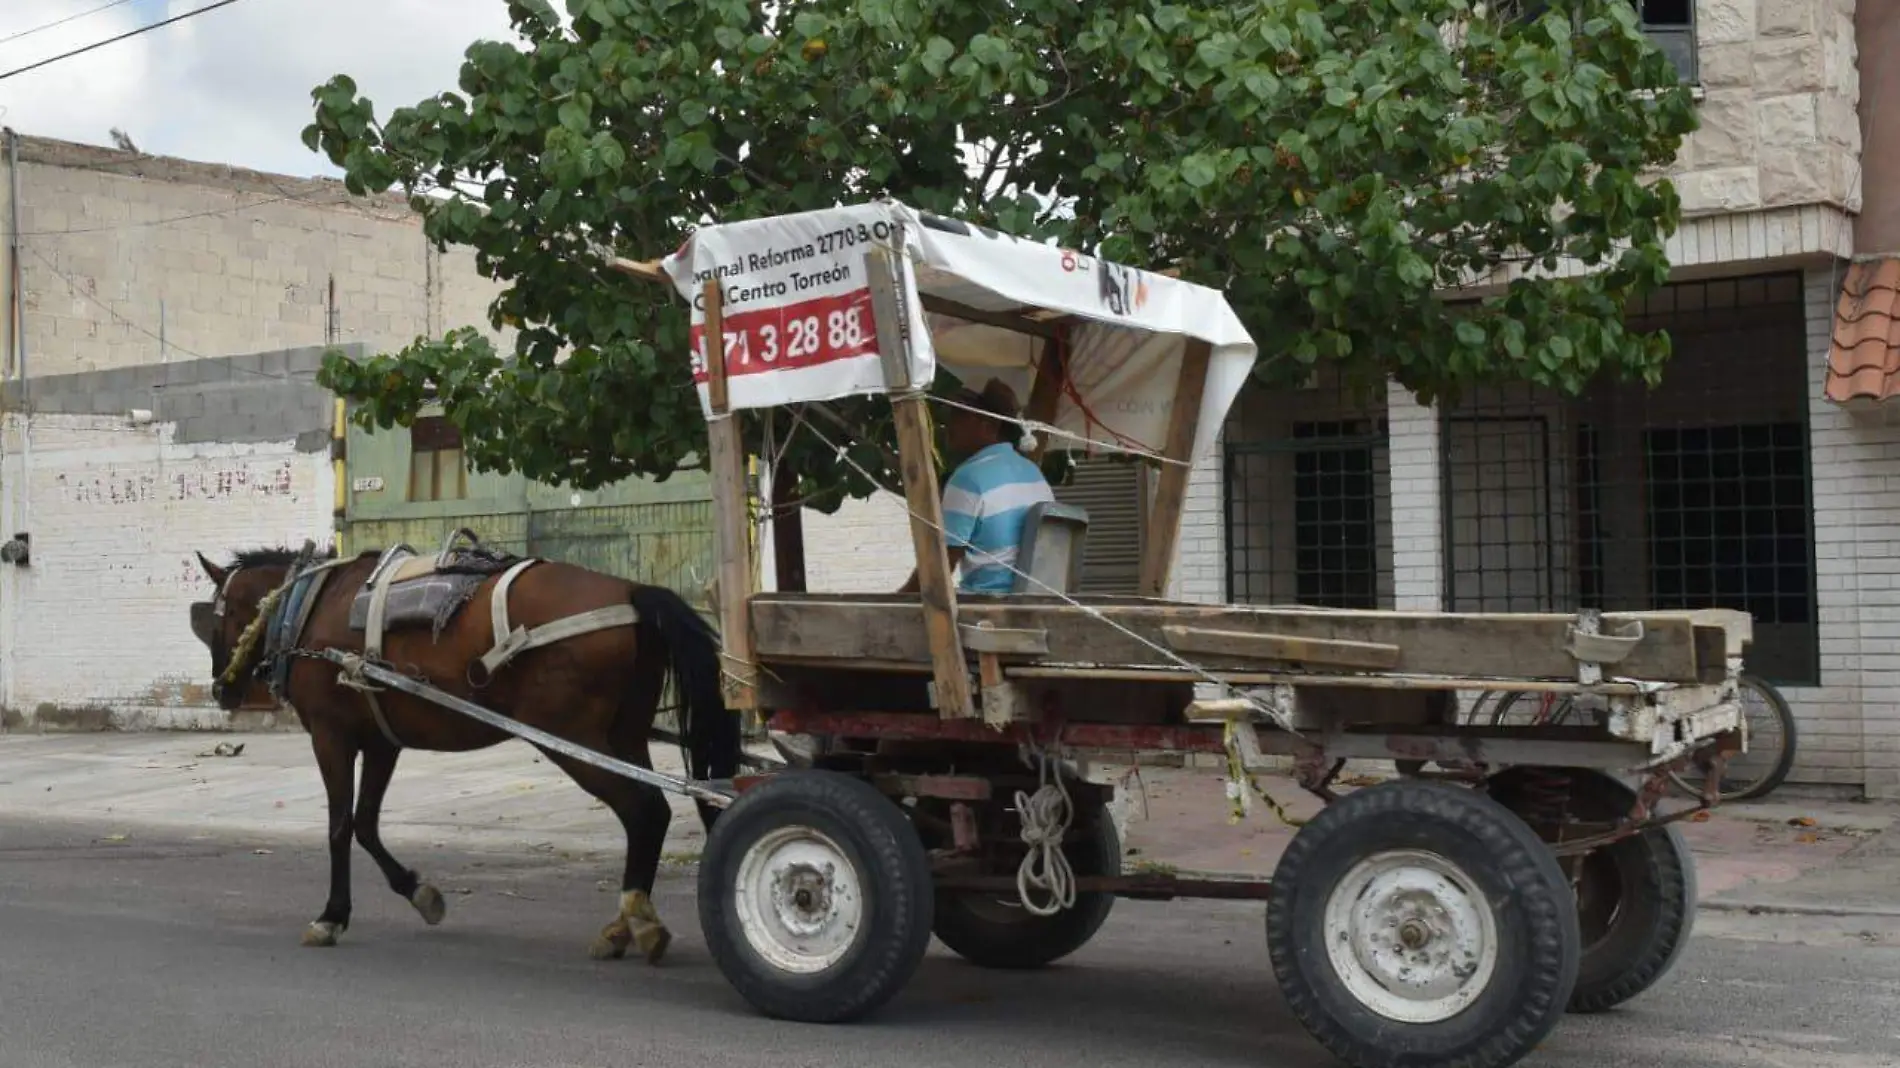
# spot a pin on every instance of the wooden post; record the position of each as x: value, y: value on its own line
x: 788, y: 533
x: 731, y: 524
x: 1164, y: 515
x: 915, y: 456
x: 1051, y: 371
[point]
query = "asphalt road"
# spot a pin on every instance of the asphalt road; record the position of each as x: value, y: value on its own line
x: 154, y: 952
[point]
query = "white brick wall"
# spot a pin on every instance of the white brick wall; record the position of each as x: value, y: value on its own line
x: 1200, y: 563
x: 1418, y: 550
x: 862, y: 548
x: 98, y: 626
x: 1851, y: 724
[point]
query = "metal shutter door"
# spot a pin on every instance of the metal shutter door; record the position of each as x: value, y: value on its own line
x: 1111, y: 492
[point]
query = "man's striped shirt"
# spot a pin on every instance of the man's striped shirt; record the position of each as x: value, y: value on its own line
x: 984, y: 506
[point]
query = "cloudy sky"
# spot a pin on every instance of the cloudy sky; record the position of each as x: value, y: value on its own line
x: 231, y: 86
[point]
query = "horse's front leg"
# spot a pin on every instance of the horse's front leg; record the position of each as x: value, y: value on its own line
x: 336, y: 760
x: 379, y: 764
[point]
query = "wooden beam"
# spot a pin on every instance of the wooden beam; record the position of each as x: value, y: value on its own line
x: 1284, y: 648
x: 1523, y: 646
x: 1017, y: 321
x: 990, y: 639
x: 788, y: 533
x: 1046, y: 391
x: 732, y: 546
x: 916, y: 457
x: 1164, y: 515
x: 645, y: 270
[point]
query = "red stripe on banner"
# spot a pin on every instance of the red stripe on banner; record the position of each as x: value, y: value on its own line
x: 792, y: 336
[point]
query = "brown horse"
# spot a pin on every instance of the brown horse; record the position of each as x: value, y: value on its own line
x: 600, y: 690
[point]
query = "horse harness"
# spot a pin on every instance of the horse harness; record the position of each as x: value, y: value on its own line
x: 456, y: 572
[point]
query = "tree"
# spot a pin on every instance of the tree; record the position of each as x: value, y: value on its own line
x: 1333, y: 165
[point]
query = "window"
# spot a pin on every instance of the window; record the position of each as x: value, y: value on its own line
x: 437, y: 471
x: 1670, y: 26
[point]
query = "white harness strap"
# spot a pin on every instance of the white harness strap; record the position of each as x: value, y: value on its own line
x: 382, y: 580
x: 512, y: 642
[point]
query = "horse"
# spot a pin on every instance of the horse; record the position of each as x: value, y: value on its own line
x: 600, y: 690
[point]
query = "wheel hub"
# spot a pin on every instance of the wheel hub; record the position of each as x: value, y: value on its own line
x: 798, y: 900
x: 1411, y: 936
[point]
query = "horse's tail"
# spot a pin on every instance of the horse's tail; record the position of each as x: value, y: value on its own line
x: 709, y: 730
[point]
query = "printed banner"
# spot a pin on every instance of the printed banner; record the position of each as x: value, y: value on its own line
x: 796, y: 305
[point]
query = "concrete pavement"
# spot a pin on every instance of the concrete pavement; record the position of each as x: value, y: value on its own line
x: 1786, y: 856
x: 178, y: 949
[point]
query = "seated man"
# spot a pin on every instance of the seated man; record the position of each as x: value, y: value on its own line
x: 989, y: 495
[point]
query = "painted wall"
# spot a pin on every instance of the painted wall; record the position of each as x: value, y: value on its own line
x: 94, y: 632
x: 120, y: 250
x: 650, y: 532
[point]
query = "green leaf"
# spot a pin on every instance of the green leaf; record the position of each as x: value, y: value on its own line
x: 1199, y: 172
x: 693, y: 112
x: 936, y: 55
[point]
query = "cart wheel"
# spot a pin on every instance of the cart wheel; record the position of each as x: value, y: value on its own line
x: 997, y: 932
x: 1635, y: 897
x: 1415, y: 922
x: 814, y: 894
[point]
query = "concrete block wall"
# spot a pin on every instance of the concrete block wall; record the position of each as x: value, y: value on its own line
x: 121, y: 250
x: 94, y: 633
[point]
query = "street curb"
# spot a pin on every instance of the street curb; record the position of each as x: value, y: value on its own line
x: 1762, y: 908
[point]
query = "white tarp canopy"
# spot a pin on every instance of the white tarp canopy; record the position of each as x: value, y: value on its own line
x: 798, y: 323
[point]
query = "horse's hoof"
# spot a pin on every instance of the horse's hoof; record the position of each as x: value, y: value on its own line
x: 611, y: 944
x: 653, y: 942
x: 321, y: 933
x: 428, y: 901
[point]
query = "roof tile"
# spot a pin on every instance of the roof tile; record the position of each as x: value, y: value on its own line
x: 1863, y: 360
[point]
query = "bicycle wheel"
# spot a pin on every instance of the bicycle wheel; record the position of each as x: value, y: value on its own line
x: 1560, y: 713
x: 1771, y: 748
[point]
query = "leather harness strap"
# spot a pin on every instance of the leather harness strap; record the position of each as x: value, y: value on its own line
x: 512, y: 642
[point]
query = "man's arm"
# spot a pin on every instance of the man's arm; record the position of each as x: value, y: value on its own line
x: 956, y: 557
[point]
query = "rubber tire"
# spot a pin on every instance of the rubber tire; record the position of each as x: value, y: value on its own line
x: 1535, y: 910
x: 891, y: 867
x: 1777, y: 774
x: 1658, y: 889
x: 1031, y: 941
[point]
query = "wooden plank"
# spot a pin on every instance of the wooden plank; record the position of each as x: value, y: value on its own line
x: 1164, y: 515
x: 916, y: 460
x: 989, y: 639
x: 732, y: 547
x: 1478, y: 646
x: 1285, y: 648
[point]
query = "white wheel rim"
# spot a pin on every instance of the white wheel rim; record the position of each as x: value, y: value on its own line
x: 799, y: 900
x: 1411, y: 936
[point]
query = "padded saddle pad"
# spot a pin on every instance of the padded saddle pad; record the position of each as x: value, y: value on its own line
x: 432, y: 599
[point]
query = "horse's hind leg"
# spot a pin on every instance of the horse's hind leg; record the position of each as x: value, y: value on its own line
x: 644, y: 812
x: 379, y: 764
x: 336, y: 760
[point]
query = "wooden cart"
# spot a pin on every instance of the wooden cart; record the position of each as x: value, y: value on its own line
x: 1447, y: 916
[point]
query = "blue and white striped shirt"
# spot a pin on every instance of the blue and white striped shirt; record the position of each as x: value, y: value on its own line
x: 984, y: 506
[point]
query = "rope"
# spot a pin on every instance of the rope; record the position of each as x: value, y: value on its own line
x: 1046, y: 815
x: 1239, y: 779
x: 1039, y: 427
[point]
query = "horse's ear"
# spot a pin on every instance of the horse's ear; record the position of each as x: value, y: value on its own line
x: 212, y: 571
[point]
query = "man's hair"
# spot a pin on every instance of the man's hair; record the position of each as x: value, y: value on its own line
x: 996, y: 399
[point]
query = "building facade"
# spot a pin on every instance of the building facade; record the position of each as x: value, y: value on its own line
x: 1762, y: 474
x: 161, y: 345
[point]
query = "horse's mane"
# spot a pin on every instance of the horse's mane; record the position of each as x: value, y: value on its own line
x: 277, y: 556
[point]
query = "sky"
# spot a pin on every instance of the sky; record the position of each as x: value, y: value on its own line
x: 231, y: 86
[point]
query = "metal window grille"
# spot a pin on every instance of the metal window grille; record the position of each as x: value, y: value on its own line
x: 1308, y: 504
x: 1696, y: 494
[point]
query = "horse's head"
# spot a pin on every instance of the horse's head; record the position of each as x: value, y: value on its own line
x: 228, y: 624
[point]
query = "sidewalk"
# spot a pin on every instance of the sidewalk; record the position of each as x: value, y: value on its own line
x: 1784, y: 856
